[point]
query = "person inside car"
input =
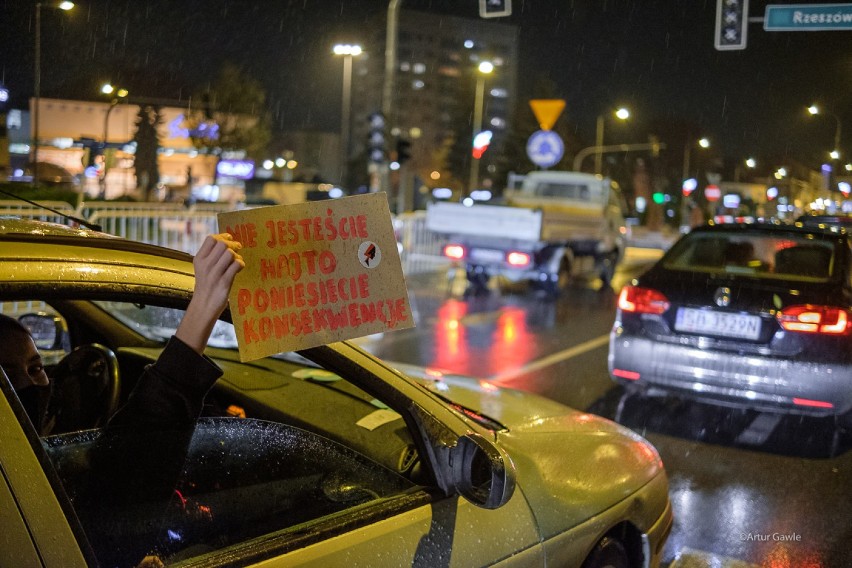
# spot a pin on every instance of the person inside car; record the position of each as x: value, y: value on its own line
x: 170, y: 392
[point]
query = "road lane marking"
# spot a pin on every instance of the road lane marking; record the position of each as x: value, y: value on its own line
x: 552, y: 359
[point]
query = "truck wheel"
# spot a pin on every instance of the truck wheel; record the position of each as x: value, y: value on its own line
x: 477, y: 279
x: 555, y: 284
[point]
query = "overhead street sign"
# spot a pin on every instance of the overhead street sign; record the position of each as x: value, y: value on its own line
x: 807, y: 17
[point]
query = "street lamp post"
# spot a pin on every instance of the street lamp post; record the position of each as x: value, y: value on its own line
x: 835, y: 152
x: 621, y: 114
x: 117, y: 95
x: 485, y: 68
x: 687, y: 153
x: 348, y: 52
x: 37, y: 79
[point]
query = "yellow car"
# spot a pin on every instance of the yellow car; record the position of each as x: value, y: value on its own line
x: 326, y: 457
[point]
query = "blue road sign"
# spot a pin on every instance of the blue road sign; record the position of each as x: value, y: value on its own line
x: 807, y: 17
x: 545, y: 148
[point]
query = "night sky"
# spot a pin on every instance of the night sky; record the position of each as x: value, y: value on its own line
x: 656, y: 56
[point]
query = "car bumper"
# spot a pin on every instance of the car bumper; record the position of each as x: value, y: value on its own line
x: 730, y: 379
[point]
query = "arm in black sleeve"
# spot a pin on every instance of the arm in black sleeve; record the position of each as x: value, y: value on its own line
x: 170, y: 393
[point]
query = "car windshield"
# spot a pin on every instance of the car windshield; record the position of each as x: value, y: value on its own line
x: 772, y: 256
x: 159, y: 323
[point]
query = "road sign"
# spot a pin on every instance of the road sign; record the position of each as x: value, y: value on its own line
x: 807, y: 17
x: 546, y: 111
x: 545, y: 148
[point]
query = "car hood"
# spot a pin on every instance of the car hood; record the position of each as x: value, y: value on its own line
x: 570, y: 465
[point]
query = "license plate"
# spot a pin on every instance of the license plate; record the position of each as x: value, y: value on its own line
x: 487, y: 255
x: 718, y: 323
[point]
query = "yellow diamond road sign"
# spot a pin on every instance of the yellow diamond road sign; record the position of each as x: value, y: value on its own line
x: 546, y: 111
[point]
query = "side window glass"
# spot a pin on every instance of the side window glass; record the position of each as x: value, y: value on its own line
x: 177, y: 495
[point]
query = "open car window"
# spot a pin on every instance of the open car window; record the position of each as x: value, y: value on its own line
x: 183, y: 494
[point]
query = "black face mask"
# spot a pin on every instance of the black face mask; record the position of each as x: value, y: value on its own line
x: 34, y: 399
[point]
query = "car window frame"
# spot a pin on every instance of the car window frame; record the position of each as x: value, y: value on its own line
x: 325, y: 356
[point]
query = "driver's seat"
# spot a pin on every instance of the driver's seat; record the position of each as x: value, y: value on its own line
x: 86, y: 388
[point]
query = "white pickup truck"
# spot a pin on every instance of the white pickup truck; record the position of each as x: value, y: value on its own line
x: 556, y: 225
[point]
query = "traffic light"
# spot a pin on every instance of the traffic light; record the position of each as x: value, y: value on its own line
x: 495, y: 8
x: 731, y: 24
x: 403, y: 151
x: 376, y: 138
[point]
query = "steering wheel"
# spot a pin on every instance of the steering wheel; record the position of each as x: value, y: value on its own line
x: 86, y: 388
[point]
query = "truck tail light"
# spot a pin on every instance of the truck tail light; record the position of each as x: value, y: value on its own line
x: 807, y: 318
x: 518, y: 259
x: 456, y: 252
x: 642, y: 300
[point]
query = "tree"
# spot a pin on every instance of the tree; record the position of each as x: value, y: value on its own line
x: 232, y: 115
x: 147, y: 141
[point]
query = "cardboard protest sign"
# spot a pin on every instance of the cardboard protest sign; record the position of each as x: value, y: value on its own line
x: 315, y: 273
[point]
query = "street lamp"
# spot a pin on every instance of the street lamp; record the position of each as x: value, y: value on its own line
x: 835, y: 152
x: 485, y: 68
x: 814, y: 110
x: 116, y: 96
x: 348, y: 52
x: 621, y: 114
x: 687, y: 153
x: 37, y: 79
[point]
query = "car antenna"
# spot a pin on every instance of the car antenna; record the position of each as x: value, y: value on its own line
x: 83, y: 222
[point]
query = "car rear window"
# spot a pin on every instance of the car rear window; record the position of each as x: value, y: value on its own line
x: 781, y: 256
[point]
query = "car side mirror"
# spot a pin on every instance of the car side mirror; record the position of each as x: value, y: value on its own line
x: 48, y: 331
x: 481, y: 473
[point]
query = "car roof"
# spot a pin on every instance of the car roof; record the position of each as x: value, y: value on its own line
x: 16, y: 229
x: 838, y: 220
x: 770, y: 227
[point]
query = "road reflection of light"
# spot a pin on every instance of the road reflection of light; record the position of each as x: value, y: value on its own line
x: 746, y: 526
x: 451, y: 352
x: 513, y: 343
x: 488, y: 387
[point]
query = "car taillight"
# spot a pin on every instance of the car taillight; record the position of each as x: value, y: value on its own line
x: 642, y: 300
x: 456, y: 252
x: 516, y: 258
x: 816, y: 319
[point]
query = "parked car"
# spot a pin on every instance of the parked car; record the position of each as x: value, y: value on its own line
x: 837, y: 220
x: 753, y: 316
x: 326, y: 457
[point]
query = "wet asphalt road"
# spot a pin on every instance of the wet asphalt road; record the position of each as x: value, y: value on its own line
x: 747, y: 489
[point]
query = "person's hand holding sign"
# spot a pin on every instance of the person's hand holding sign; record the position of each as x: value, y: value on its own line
x: 216, y: 264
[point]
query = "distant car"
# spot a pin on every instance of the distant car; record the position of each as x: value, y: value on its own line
x: 753, y: 316
x: 836, y: 220
x: 328, y: 457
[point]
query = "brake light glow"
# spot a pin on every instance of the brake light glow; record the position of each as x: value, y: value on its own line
x: 516, y: 258
x: 630, y: 375
x: 814, y: 403
x: 642, y: 300
x: 456, y: 252
x: 816, y: 319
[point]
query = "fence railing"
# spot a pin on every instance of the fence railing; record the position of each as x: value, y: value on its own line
x: 184, y: 228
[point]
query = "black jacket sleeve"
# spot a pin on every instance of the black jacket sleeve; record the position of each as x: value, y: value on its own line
x: 170, y: 393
